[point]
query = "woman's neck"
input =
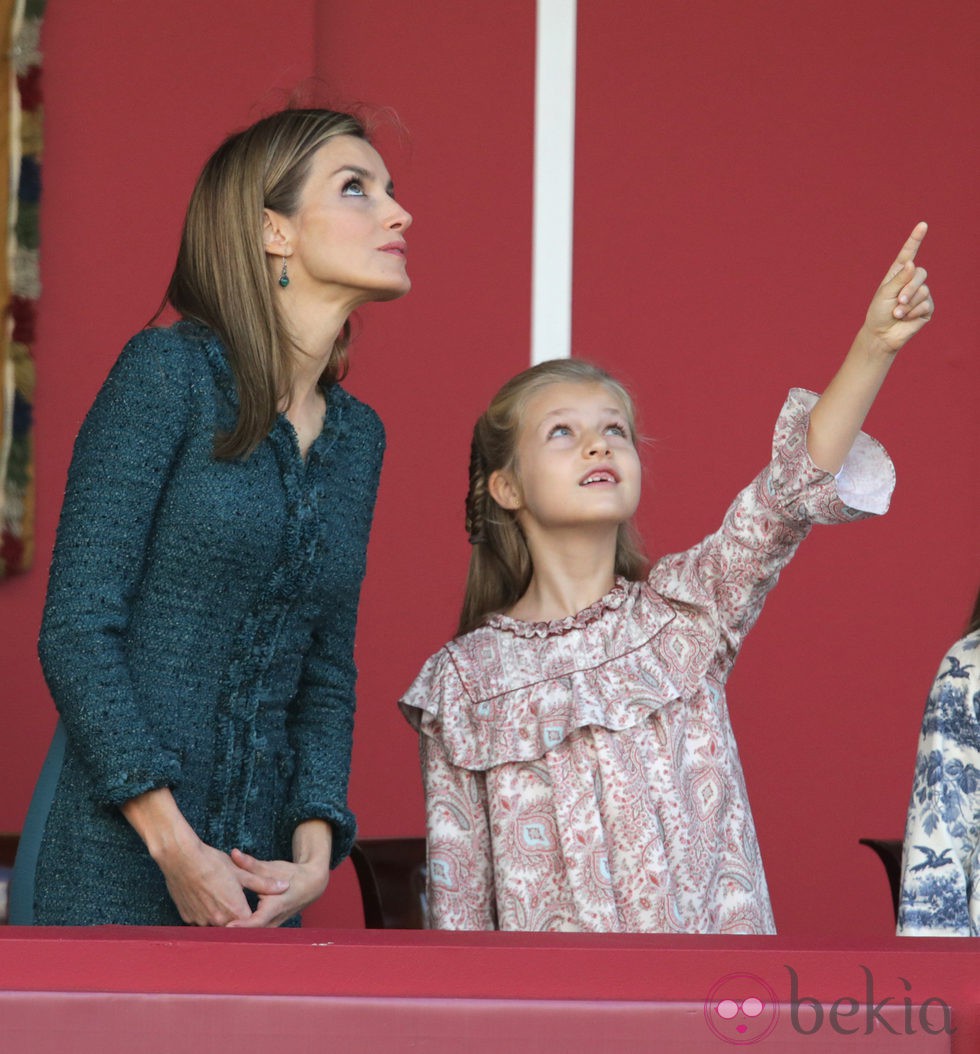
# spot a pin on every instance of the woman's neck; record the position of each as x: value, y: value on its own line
x: 314, y: 328
x: 314, y: 334
x: 570, y: 573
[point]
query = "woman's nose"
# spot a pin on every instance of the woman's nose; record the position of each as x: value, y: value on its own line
x: 400, y: 219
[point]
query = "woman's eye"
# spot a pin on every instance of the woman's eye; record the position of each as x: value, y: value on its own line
x: 353, y: 188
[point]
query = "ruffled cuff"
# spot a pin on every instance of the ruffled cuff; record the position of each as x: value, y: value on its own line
x: 863, y: 486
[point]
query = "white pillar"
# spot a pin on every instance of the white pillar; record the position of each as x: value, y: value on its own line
x: 554, y: 164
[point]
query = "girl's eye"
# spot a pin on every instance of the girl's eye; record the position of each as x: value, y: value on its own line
x: 353, y: 188
x: 618, y: 430
x: 559, y: 430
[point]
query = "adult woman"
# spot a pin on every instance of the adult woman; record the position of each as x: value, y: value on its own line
x: 198, y: 631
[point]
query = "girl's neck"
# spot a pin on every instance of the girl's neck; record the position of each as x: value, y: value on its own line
x: 569, y: 574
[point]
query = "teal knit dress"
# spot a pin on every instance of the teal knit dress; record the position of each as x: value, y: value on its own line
x: 198, y: 632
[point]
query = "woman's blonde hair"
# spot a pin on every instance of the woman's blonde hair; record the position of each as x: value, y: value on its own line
x: 222, y: 277
x: 500, y: 563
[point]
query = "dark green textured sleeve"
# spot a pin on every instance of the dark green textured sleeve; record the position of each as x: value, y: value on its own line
x: 122, y: 458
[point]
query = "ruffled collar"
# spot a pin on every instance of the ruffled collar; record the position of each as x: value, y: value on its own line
x: 580, y: 620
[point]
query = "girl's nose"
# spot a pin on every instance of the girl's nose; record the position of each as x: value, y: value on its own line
x: 598, y: 445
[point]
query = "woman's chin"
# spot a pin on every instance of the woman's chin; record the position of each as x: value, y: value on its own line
x: 393, y: 292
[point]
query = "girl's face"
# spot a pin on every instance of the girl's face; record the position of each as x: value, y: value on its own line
x: 347, y: 238
x: 576, y: 465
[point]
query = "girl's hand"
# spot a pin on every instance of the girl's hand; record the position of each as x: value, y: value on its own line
x: 303, y: 883
x: 903, y: 304
x: 900, y: 308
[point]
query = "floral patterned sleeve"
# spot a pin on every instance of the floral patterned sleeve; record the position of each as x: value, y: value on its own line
x: 942, y: 835
x: 460, y: 865
x: 731, y: 571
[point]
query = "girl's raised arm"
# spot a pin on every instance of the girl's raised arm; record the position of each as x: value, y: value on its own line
x: 901, y: 306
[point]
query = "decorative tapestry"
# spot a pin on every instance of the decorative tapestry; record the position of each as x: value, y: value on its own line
x: 20, y: 142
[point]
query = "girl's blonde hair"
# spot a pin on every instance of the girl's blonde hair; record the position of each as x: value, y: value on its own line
x: 222, y: 277
x: 500, y: 563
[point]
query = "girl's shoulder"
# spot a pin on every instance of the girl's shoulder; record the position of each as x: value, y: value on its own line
x: 446, y: 680
x: 438, y: 691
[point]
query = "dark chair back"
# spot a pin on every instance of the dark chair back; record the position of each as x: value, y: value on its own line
x: 391, y: 874
x: 889, y: 852
x: 8, y: 850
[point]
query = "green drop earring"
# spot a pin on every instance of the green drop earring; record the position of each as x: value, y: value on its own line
x: 283, y: 277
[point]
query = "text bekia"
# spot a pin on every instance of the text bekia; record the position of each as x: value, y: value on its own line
x: 850, y: 1015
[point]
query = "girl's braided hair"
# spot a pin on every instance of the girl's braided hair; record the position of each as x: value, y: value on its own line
x: 500, y: 563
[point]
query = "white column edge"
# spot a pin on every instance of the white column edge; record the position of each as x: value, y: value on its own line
x: 554, y: 165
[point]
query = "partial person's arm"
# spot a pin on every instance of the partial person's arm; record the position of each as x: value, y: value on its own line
x: 939, y: 895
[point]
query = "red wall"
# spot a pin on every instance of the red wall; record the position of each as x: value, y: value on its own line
x: 744, y: 173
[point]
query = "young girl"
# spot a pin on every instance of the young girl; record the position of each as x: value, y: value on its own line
x: 579, y: 765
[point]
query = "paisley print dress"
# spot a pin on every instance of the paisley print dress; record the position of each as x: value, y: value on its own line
x: 582, y: 774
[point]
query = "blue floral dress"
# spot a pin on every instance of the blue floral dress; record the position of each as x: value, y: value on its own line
x: 942, y: 836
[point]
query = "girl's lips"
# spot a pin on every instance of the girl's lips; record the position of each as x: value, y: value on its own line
x: 395, y: 248
x: 599, y: 475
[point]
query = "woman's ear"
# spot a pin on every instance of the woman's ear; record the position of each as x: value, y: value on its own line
x: 504, y: 489
x: 276, y: 230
